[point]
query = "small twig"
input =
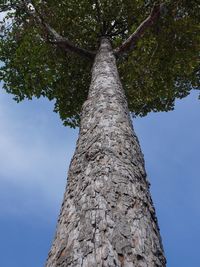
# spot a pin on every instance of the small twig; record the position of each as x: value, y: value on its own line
x: 154, y: 51
x: 99, y: 19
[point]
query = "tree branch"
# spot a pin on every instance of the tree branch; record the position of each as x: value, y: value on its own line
x: 58, y: 40
x: 6, y: 7
x: 98, y: 11
x: 129, y: 44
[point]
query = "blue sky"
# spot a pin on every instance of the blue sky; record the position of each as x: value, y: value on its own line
x: 35, y: 151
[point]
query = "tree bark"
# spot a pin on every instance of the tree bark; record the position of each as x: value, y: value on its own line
x: 107, y: 216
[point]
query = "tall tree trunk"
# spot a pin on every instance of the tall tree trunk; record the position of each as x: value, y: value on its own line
x: 107, y: 216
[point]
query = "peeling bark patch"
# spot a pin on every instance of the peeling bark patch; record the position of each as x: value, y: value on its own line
x: 107, y: 216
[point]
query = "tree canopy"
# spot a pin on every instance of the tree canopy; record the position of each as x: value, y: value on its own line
x: 160, y: 67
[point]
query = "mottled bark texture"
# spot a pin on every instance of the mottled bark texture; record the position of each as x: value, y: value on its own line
x: 107, y: 216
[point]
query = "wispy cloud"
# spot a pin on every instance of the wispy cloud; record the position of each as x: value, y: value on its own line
x: 34, y: 152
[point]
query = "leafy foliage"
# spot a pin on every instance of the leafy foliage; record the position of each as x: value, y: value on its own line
x: 162, y: 67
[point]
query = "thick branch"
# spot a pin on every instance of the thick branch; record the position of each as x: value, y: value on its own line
x: 58, y: 40
x: 129, y: 44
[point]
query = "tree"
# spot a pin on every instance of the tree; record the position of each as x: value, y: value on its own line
x: 107, y: 216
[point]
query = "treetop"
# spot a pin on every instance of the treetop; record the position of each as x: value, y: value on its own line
x: 47, y: 49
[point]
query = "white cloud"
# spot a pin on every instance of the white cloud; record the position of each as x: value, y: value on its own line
x: 35, y: 151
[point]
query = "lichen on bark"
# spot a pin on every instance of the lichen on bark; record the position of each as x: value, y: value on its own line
x: 107, y: 216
